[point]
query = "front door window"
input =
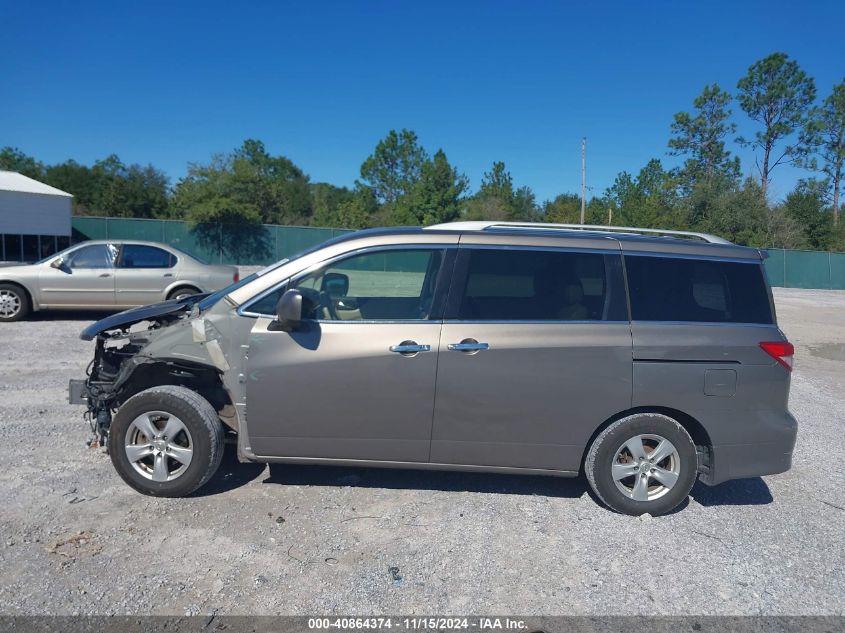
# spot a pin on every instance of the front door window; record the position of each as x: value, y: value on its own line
x: 93, y: 256
x: 373, y: 286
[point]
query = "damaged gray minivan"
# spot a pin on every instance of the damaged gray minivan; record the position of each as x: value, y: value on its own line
x: 643, y: 358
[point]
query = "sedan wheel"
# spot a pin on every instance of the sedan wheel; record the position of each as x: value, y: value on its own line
x: 183, y: 293
x: 14, y: 303
x: 10, y: 304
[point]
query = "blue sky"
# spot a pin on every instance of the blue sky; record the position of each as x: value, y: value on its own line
x: 522, y: 82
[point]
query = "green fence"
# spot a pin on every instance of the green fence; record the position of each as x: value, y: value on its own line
x: 218, y: 244
x: 806, y: 269
x: 268, y: 243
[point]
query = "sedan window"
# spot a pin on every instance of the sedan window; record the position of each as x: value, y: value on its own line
x: 94, y: 256
x: 141, y: 256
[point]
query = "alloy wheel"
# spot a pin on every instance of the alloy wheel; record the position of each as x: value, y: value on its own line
x: 159, y: 446
x: 646, y: 467
x: 10, y: 304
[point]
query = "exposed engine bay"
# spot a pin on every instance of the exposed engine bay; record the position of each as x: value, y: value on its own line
x: 125, y: 363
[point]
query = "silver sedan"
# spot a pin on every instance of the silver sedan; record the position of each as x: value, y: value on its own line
x: 105, y: 275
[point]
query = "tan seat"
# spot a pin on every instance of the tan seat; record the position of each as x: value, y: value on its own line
x: 573, y: 308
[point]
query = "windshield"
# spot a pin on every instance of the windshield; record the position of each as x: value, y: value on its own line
x: 214, y: 297
x: 59, y: 254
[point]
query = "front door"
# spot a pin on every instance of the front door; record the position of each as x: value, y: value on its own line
x: 84, y: 280
x: 357, y: 380
x: 535, y: 354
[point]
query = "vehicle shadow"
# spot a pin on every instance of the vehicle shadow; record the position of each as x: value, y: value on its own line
x: 446, y: 481
x: 738, y: 492
x: 231, y: 474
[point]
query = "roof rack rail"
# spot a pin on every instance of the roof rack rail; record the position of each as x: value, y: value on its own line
x: 485, y: 225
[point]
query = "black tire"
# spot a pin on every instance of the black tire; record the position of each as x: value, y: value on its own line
x: 184, y: 291
x: 603, y: 453
x: 14, y: 292
x: 198, y: 417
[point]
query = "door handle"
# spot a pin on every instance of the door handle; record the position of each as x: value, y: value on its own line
x: 469, y: 345
x: 105, y: 274
x: 409, y: 348
x: 168, y: 274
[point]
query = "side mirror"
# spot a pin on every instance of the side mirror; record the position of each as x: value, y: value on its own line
x: 289, y: 310
x: 57, y: 263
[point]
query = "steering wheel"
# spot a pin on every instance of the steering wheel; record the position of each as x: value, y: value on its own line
x: 311, y: 300
x: 326, y: 301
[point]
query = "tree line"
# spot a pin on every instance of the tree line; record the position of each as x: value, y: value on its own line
x: 402, y: 183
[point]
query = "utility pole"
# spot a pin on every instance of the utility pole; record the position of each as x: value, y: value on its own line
x: 583, y: 177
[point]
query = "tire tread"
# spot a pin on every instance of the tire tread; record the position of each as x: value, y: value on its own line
x: 207, y: 415
x: 590, y: 468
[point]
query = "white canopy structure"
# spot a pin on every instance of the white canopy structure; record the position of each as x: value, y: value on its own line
x: 35, y: 219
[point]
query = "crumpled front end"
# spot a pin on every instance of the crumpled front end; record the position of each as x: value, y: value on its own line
x: 176, y: 347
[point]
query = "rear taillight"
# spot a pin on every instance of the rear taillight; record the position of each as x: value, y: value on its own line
x: 236, y: 277
x: 781, y: 351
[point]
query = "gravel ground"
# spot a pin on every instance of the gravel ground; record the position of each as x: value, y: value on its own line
x: 299, y: 540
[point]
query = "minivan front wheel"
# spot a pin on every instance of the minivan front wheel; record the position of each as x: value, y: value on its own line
x: 645, y: 462
x: 166, y: 441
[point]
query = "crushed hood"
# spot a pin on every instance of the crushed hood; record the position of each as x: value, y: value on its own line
x: 136, y: 315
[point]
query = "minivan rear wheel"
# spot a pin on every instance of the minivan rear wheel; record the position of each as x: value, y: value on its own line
x: 643, y: 463
x: 166, y: 441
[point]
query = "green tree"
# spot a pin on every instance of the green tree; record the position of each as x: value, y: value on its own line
x: 144, y: 191
x: 111, y: 188
x: 393, y: 169
x: 278, y: 187
x: 342, y: 208
x: 739, y: 215
x: 247, y: 186
x: 498, y: 200
x: 358, y: 212
x: 777, y: 94
x: 327, y: 198
x: 242, y: 190
x: 524, y: 205
x: 805, y: 204
x: 215, y: 193
x: 76, y: 179
x: 827, y: 131
x: 649, y: 200
x: 118, y: 190
x: 497, y: 183
x: 563, y: 209
x: 437, y: 196
x: 13, y: 159
x: 701, y: 138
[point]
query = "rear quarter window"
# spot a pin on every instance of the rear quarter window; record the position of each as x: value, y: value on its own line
x: 697, y: 290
